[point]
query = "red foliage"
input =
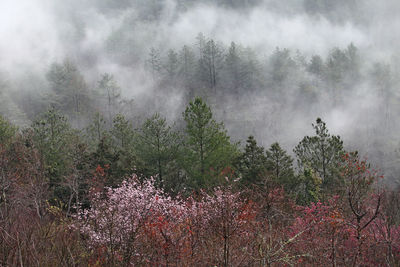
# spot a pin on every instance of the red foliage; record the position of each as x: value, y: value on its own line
x: 139, y: 224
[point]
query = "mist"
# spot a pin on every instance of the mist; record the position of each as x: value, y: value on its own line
x: 116, y: 37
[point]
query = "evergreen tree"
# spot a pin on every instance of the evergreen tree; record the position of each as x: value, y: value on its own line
x: 280, y: 167
x: 119, y: 151
x: 111, y: 93
x: 187, y: 70
x: 336, y: 65
x: 308, y: 188
x: 154, y: 63
x: 251, y: 74
x: 96, y: 131
x: 233, y: 67
x: 252, y: 163
x: 157, y: 148
x: 323, y: 154
x: 69, y: 88
x: 7, y: 131
x: 114, y: 150
x: 106, y: 158
x: 54, y: 138
x: 353, y: 65
x: 207, y: 147
x: 316, y: 66
x: 210, y: 62
x: 282, y: 65
x: 239, y: 71
x: 122, y: 132
x: 171, y: 67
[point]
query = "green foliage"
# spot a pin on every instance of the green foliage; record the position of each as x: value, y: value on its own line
x: 70, y: 92
x: 115, y: 150
x: 7, y: 131
x: 280, y: 167
x: 123, y: 141
x: 187, y: 68
x: 308, y: 188
x: 55, y: 140
x: 252, y: 163
x: 171, y: 66
x: 210, y: 61
x: 96, y: 131
x: 282, y: 65
x: 233, y: 68
x: 107, y: 157
x: 343, y: 70
x: 323, y: 154
x: 154, y: 63
x: 110, y: 92
x: 158, y: 147
x: 207, y: 148
x: 122, y: 132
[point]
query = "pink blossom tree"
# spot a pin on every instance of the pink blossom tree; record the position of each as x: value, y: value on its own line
x: 117, y: 219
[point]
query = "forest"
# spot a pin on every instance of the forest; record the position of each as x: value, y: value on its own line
x: 199, y: 133
x: 155, y: 196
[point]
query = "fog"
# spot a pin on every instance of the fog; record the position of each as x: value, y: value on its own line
x: 37, y: 32
x: 116, y: 37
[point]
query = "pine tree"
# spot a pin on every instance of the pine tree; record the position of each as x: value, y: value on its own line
x: 154, y: 63
x: 157, y: 147
x: 7, y: 131
x: 111, y: 93
x: 96, y: 131
x: 323, y: 154
x: 54, y: 138
x: 187, y: 70
x: 69, y: 87
x: 207, y: 148
x: 252, y: 163
x: 308, y: 187
x: 171, y: 67
x: 124, y: 138
x: 280, y: 167
x: 210, y: 62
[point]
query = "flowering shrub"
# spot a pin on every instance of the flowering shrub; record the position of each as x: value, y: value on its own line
x: 137, y: 224
x: 120, y: 218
